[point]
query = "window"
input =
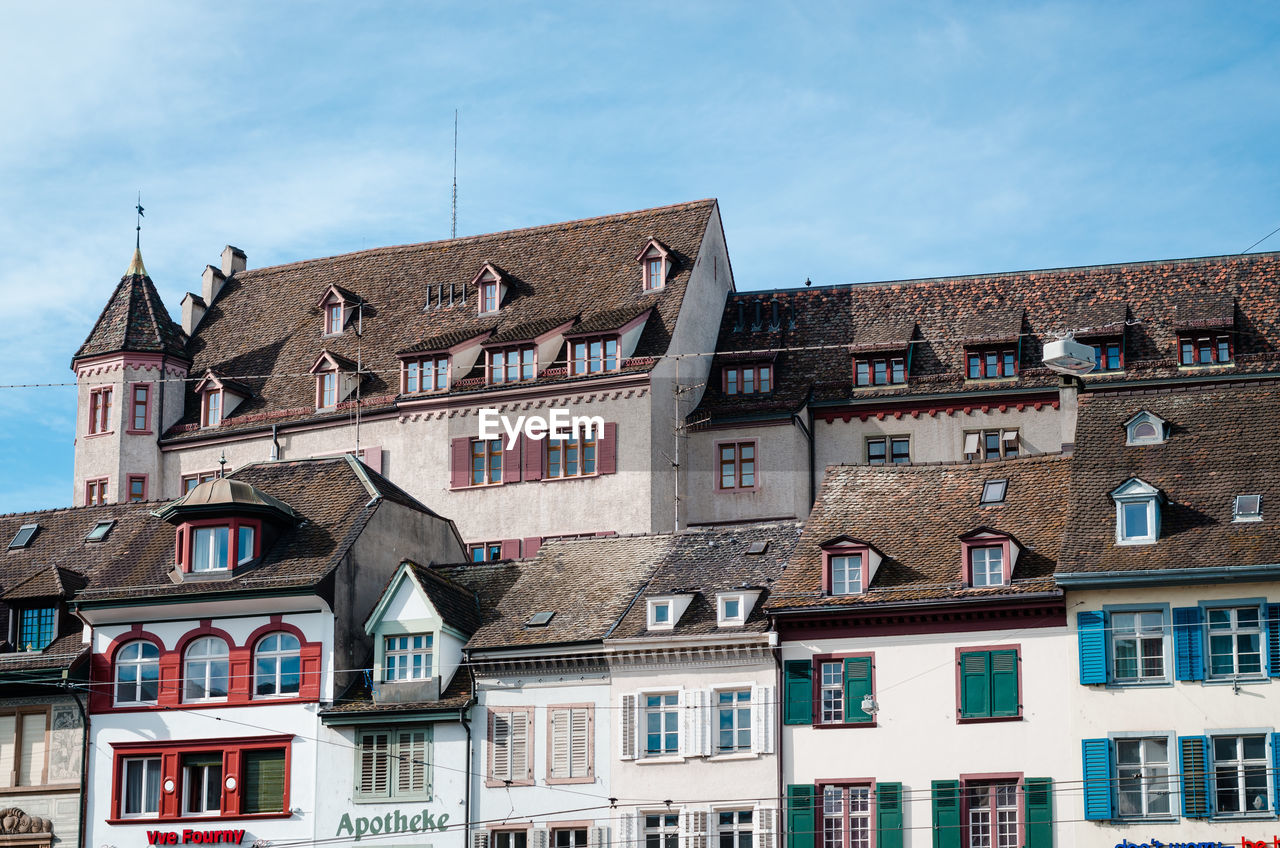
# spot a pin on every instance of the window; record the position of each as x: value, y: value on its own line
x: 211, y: 547
x: 570, y: 457
x: 992, y: 815
x: 1240, y: 775
x: 1143, y: 788
x: 986, y: 565
x: 1144, y: 432
x: 430, y: 374
x: 99, y: 411
x: 510, y: 754
x: 205, y: 672
x: 333, y: 318
x: 1235, y: 642
x: 570, y: 739
x: 738, y: 465
x: 327, y: 390
x: 730, y: 610
x: 36, y: 628
x: 190, y: 481
x: 393, y: 763
x: 24, y: 536
x: 993, y: 492
x: 137, y: 488
x: 95, y: 492
x: 660, y: 615
x: 100, y: 531
x: 137, y: 673
x: 832, y: 693
x: 264, y: 781
x: 485, y: 551
x: 846, y: 817
x: 1138, y: 646
x: 988, y: 684
x: 140, y: 415
x: 511, y: 365
x: 733, y: 721
x: 1108, y: 356
x: 406, y: 657
x: 591, y: 356
x: 1137, y: 513
x: 486, y: 461
x: 748, y: 380
x: 990, y: 364
x: 1247, y: 508
x: 510, y: 839
x: 23, y: 752
x: 895, y: 449
x: 846, y: 574
x: 489, y: 296
x: 661, y: 725
x: 662, y: 830
x: 991, y: 444
x: 202, y: 784
x: 880, y: 372
x: 569, y: 837
x: 1205, y: 350
x: 212, y: 413
x: 733, y: 829
x: 277, y: 666
x: 141, y: 787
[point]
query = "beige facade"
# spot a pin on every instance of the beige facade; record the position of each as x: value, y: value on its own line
x: 44, y: 783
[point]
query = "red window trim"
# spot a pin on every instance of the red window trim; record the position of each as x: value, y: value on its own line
x: 100, y: 416
x: 993, y: 777
x: 588, y: 340
x: 993, y: 541
x: 434, y: 359
x: 1101, y: 343
x: 838, y: 550
x: 871, y: 359
x: 327, y: 308
x: 133, y: 409
x: 652, y: 250
x: 217, y: 474
x: 977, y: 649
x: 185, y: 540
x: 320, y: 378
x: 91, y: 484
x: 170, y: 755
x: 204, y: 407
x: 816, y: 674
x: 520, y: 378
x: 737, y: 459
x: 1215, y: 337
x: 739, y: 383
x: 845, y: 782
x: 128, y: 488
x: 981, y: 352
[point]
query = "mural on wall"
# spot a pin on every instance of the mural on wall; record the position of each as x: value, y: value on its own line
x: 64, y: 756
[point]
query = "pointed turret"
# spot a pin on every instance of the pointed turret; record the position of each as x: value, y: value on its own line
x: 134, y: 320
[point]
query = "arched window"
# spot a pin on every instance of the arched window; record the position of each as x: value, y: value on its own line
x: 137, y: 673
x: 277, y: 665
x: 206, y: 670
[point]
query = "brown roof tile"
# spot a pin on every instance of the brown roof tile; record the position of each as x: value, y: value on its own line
x: 136, y: 321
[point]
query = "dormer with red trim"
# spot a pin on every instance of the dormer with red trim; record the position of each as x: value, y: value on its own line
x: 1206, y: 330
x: 219, y: 397
x: 338, y: 306
x: 336, y: 378
x: 223, y: 528
x: 655, y: 265
x: 987, y: 558
x: 491, y: 289
x: 848, y: 565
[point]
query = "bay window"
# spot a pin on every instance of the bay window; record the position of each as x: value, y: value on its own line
x: 213, y: 546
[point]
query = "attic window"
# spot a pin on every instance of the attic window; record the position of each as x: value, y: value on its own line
x: 540, y: 619
x: 758, y: 548
x: 731, y: 610
x: 655, y: 265
x: 211, y: 414
x: 1247, y: 508
x: 1137, y: 513
x: 1207, y: 349
x: 489, y: 289
x: 100, y: 531
x: 1146, y: 428
x: 333, y: 318
x: 660, y: 615
x: 25, y: 534
x: 993, y: 492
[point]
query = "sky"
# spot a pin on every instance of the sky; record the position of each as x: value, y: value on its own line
x: 846, y: 142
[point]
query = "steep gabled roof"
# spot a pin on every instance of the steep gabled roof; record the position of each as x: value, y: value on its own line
x: 134, y: 320
x: 52, y: 582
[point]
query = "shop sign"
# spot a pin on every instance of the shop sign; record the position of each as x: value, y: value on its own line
x: 393, y: 822
x: 196, y: 837
x: 1210, y: 843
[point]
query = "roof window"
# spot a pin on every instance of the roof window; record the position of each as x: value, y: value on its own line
x: 25, y: 534
x: 993, y: 492
x: 100, y: 531
x: 1247, y: 508
x: 540, y: 619
x: 758, y: 548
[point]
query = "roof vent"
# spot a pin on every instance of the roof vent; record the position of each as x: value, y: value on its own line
x: 758, y: 547
x: 100, y: 531
x: 540, y: 619
x: 26, y: 533
x: 993, y: 492
x: 1247, y: 508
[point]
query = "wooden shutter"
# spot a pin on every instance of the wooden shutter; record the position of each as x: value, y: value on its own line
x: 762, y: 713
x: 460, y: 463
x: 263, y: 777
x: 529, y: 546
x: 888, y: 815
x: 373, y: 458
x: 764, y: 827
x: 533, y: 450
x: 946, y: 813
x: 580, y: 742
x: 559, y: 743
x: 510, y: 549
x: 521, y: 747
x: 1197, y: 793
x: 375, y: 764
x: 1039, y: 811
x: 31, y: 755
x: 511, y: 462
x: 1091, y: 630
x: 975, y: 684
x: 1096, y: 760
x: 692, y: 725
x: 1275, y: 769
x: 1004, y: 683
x: 857, y: 685
x: 1188, y: 643
x: 607, y: 455
x: 8, y: 733
x: 1273, y: 643
x: 801, y: 819
x: 798, y: 675
x: 627, y: 727
x: 411, y: 769
x: 500, y: 746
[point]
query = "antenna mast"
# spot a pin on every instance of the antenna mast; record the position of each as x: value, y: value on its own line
x: 453, y: 228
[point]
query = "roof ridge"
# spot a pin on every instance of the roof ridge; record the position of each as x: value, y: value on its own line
x: 479, y: 237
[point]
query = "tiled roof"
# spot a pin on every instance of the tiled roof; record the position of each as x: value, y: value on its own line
x: 134, y: 320
x: 62, y: 653
x: 950, y: 312
x: 266, y: 322
x: 359, y: 700
x: 52, y: 582
x: 915, y: 515
x: 1222, y: 443
x: 457, y: 604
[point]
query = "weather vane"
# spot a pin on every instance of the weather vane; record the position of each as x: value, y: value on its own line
x: 138, y: 240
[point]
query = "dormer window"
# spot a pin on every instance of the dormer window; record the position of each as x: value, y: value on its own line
x: 879, y: 370
x: 217, y: 546
x: 333, y: 319
x: 748, y: 379
x: 1108, y: 355
x: 986, y: 565
x: 212, y: 415
x: 592, y: 356
x: 848, y: 566
x: 335, y: 377
x: 406, y: 657
x: 36, y: 628
x: 1204, y: 349
x: 655, y: 264
x: 1247, y: 508
x: 1146, y: 428
x: 660, y: 615
x: 988, y: 558
x: 337, y: 305
x: 1137, y: 513
x: 664, y: 611
x: 218, y: 397
x: 730, y: 609
x: 512, y: 365
x: 327, y: 390
x: 490, y: 289
x: 426, y: 374
x: 991, y: 363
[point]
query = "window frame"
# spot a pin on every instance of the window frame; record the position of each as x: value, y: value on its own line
x: 889, y: 446
x: 718, y: 708
x: 100, y: 405
x: 278, y: 655
x: 413, y: 370
x: 557, y: 449
x: 130, y: 480
x: 117, y: 662
x: 651, y: 615
x: 185, y: 543
x: 526, y: 364
x: 123, y: 766
x: 526, y: 777
x: 833, y: 552
x: 589, y: 363
x: 40, y: 776
x: 723, y: 619
x: 407, y: 655
x: 1113, y: 678
x: 484, y: 548
x: 1234, y: 605
x: 821, y: 816
x: 209, y: 661
x: 1005, y: 358
x: 733, y: 379
x: 50, y: 612
x: 737, y: 461
x: 866, y: 374
x: 983, y: 451
x: 335, y: 316
x: 1172, y: 769
x: 663, y: 710
x: 95, y: 491
x: 987, y: 539
x: 992, y: 781
x: 716, y: 828
x: 1192, y: 342
x: 327, y: 382
x: 197, y: 478
x: 1123, y: 537
x: 211, y: 413
x: 184, y: 788
x: 493, y: 451
x: 667, y: 832
x: 1265, y: 764
x: 1102, y: 349
x: 134, y: 403
x: 819, y: 684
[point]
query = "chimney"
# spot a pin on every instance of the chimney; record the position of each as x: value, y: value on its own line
x: 193, y: 308
x: 233, y: 259
x: 1068, y: 399
x: 211, y: 282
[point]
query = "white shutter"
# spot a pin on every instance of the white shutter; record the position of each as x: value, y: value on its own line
x: 691, y: 722
x: 411, y: 770
x: 600, y: 838
x: 480, y: 839
x: 762, y: 713
x: 521, y: 749
x: 560, y: 742
x: 707, y: 722
x: 8, y: 731
x: 500, y: 745
x: 693, y: 827
x: 970, y: 443
x: 627, y: 822
x: 580, y: 742
x: 764, y: 827
x: 539, y: 838
x: 375, y: 765
x: 627, y: 730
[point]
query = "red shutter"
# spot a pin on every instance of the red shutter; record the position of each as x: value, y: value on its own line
x: 241, y: 672
x: 373, y: 458
x: 529, y: 549
x: 532, y: 458
x: 511, y: 462
x: 511, y: 549
x: 460, y: 462
x: 609, y: 449
x: 170, y: 680
x: 100, y: 695
x: 309, y: 688
x: 230, y: 768
x: 169, y: 771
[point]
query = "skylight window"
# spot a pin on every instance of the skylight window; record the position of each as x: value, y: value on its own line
x: 1247, y: 508
x: 993, y: 492
x: 100, y: 531
x: 758, y: 548
x: 540, y: 619
x: 25, y: 534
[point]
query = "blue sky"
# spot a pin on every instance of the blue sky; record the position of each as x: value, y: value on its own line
x: 846, y: 142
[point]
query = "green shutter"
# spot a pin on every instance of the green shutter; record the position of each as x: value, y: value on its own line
x: 798, y: 708
x: 262, y: 789
x: 1039, y: 806
x: 888, y: 815
x: 975, y: 684
x: 1004, y: 683
x: 801, y: 821
x: 946, y: 813
x: 857, y: 685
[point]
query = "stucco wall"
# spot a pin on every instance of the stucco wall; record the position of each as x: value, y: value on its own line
x: 782, y: 475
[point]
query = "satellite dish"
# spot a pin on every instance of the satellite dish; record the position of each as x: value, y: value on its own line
x: 1068, y: 356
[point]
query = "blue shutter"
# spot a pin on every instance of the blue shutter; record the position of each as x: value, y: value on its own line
x: 1091, y: 629
x: 1197, y: 789
x: 1188, y: 643
x: 1273, y: 641
x: 1275, y: 768
x: 1096, y: 757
